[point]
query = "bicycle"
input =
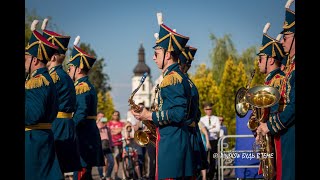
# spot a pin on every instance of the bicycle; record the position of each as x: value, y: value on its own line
x: 129, y: 160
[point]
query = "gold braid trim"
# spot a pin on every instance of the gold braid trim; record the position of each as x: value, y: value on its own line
x: 170, y: 46
x: 171, y: 79
x: 54, y: 40
x: 277, y: 46
x: 82, y: 58
x: 190, y: 55
x: 185, y: 55
x: 55, y: 77
x: 37, y: 81
x: 265, y: 46
x: 177, y: 43
x: 82, y: 88
x: 271, y: 120
x: 288, y: 26
x: 44, y: 52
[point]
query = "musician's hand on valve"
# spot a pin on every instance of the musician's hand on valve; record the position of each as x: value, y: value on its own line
x: 262, y: 130
x: 143, y: 115
x: 258, y: 134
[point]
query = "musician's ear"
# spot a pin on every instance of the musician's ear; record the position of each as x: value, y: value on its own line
x: 167, y: 55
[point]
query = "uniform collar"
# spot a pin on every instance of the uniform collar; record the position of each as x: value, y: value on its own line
x: 170, y: 68
x: 54, y: 68
x: 271, y: 74
x: 39, y: 71
x: 81, y: 80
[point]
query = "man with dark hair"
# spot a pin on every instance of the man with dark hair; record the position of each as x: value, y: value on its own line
x: 41, y: 107
x: 85, y: 113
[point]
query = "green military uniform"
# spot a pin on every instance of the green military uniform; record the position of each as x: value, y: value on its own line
x: 174, y: 153
x: 282, y: 122
x: 63, y: 127
x: 199, y: 156
x: 41, y: 107
x: 272, y: 48
x: 85, y: 115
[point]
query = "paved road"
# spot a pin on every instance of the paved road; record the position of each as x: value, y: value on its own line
x: 95, y: 174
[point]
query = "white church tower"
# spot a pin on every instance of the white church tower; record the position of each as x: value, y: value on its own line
x: 143, y: 95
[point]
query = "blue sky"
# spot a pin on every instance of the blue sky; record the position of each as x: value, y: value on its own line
x: 116, y: 28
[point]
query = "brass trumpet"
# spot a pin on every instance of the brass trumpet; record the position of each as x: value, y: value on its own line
x: 142, y: 138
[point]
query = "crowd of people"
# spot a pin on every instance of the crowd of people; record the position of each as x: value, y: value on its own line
x: 64, y: 133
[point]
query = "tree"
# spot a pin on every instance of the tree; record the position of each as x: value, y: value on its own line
x: 233, y: 78
x: 207, y: 88
x: 248, y: 58
x: 105, y: 104
x: 223, y: 48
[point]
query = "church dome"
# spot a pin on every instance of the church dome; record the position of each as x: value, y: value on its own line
x: 141, y: 67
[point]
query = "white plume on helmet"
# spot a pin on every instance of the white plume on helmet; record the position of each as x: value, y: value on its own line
x: 266, y: 27
x: 44, y: 23
x: 159, y: 18
x: 279, y: 37
x: 76, y: 41
x: 289, y: 2
x: 156, y: 35
x: 34, y: 24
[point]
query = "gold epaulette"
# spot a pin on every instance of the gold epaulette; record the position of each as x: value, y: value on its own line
x: 55, y: 77
x: 171, y: 79
x: 36, y: 81
x: 276, y: 81
x: 82, y: 88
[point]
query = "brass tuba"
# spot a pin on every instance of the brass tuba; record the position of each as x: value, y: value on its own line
x: 261, y: 98
x: 241, y: 105
x: 142, y: 138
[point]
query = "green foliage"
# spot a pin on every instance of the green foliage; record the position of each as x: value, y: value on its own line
x: 98, y: 78
x: 234, y: 77
x: 223, y: 48
x: 248, y: 58
x: 105, y: 104
x: 207, y: 88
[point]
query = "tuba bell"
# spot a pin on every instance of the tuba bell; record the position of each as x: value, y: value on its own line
x: 142, y: 138
x: 261, y: 98
x: 241, y: 105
